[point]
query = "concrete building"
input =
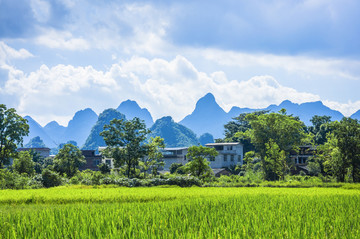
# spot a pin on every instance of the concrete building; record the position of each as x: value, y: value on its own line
x: 230, y: 154
x: 92, y: 160
x: 174, y: 155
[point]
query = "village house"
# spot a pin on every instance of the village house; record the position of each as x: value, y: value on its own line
x: 229, y: 154
x: 92, y: 160
x: 301, y: 158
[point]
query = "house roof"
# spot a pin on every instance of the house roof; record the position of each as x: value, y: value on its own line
x: 225, y: 144
x: 177, y: 148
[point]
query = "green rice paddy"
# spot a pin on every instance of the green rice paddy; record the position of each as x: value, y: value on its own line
x: 86, y: 212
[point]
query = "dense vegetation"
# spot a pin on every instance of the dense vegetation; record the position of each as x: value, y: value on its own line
x: 79, y: 212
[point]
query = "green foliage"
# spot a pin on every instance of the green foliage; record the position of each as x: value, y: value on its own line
x: 125, y: 140
x: 50, y: 178
x: 104, y: 168
x: 286, y: 131
x: 95, y: 140
x: 174, y: 134
x: 347, y: 133
x: 174, y: 166
x: 177, y: 212
x: 68, y: 160
x: 234, y: 130
x: 275, y: 161
x: 320, y: 128
x: 12, y: 130
x: 199, y: 157
x: 36, y: 142
x: 154, y: 158
x: 24, y: 163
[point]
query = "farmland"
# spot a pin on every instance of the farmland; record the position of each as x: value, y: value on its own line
x: 87, y: 212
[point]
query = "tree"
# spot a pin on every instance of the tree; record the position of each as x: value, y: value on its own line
x: 24, y: 163
x: 347, y: 133
x: 35, y: 142
x: 104, y: 168
x: 125, y: 143
x: 68, y: 160
x: 154, y: 159
x: 12, y: 130
x: 284, y: 130
x: 174, y: 166
x: 199, y: 156
x: 234, y: 130
x: 320, y: 128
x: 275, y: 160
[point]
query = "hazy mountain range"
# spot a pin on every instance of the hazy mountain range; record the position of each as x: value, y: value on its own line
x: 207, y: 117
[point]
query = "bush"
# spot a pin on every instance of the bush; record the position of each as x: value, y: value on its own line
x: 50, y: 178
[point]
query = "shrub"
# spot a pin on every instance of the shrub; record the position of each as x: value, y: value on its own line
x: 50, y: 178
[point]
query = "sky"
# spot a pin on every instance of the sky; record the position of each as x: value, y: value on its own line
x: 61, y: 56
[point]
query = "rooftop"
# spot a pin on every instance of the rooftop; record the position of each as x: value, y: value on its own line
x: 225, y: 144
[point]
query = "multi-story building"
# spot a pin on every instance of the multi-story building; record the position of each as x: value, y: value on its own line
x: 92, y: 160
x: 230, y: 154
x: 174, y: 155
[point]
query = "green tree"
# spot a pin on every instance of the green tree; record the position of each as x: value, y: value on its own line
x: 36, y: 142
x: 12, y: 130
x: 24, y: 163
x: 199, y: 157
x: 275, y: 160
x: 234, y: 130
x: 68, y: 160
x: 347, y: 133
x: 286, y: 131
x: 320, y: 128
x: 174, y: 166
x: 125, y: 143
x: 154, y: 159
x: 104, y: 168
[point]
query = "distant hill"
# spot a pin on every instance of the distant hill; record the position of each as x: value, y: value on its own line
x: 306, y: 111
x: 55, y: 131
x: 206, y: 139
x: 208, y: 117
x: 37, y: 130
x: 174, y: 134
x: 80, y: 126
x: 356, y: 115
x: 94, y: 140
x: 131, y: 109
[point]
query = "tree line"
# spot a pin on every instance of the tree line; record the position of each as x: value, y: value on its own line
x: 268, y: 138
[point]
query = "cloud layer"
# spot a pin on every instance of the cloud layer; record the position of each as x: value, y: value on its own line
x: 164, y: 87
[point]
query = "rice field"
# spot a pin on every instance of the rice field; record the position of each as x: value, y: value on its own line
x: 86, y: 212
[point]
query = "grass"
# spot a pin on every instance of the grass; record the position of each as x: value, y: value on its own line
x: 87, y: 212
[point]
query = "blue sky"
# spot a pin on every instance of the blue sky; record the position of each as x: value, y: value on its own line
x: 57, y: 57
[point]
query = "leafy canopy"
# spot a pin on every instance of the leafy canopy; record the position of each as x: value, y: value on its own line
x: 12, y: 130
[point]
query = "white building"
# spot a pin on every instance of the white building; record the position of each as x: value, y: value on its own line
x: 230, y: 154
x: 174, y: 155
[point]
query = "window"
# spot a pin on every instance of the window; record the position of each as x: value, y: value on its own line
x: 108, y: 161
x: 184, y: 157
x: 212, y: 158
x: 97, y: 161
x: 225, y: 157
x: 232, y: 158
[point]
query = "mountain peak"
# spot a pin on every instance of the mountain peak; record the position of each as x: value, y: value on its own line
x: 208, y: 99
x: 131, y: 109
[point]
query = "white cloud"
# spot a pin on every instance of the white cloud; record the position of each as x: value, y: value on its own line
x: 8, y: 53
x: 341, y: 68
x: 164, y: 87
x: 41, y: 10
x: 61, y: 40
x: 347, y: 109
